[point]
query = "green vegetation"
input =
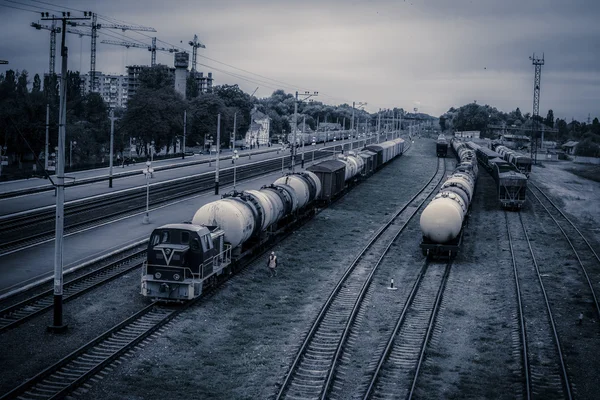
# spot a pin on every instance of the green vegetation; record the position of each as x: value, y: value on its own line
x: 474, y: 116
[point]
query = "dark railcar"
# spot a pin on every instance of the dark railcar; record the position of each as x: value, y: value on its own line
x: 332, y: 174
x: 378, y: 150
x: 370, y: 161
x: 441, y: 148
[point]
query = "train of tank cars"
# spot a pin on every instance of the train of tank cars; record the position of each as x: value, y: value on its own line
x: 183, y: 259
x: 443, y: 220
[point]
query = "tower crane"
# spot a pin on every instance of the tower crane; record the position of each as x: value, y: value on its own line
x: 195, y: 45
x: 151, y: 48
x: 53, y: 31
x: 95, y: 26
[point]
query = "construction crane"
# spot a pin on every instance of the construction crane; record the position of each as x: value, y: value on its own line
x: 53, y: 31
x: 95, y: 26
x: 195, y: 45
x: 151, y: 48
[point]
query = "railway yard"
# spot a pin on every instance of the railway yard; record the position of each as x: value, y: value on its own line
x: 355, y: 310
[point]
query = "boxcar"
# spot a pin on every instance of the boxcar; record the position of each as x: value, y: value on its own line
x: 332, y: 174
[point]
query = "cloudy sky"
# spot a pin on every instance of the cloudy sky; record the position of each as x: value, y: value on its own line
x: 430, y: 54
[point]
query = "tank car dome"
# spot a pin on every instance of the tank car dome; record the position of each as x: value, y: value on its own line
x: 232, y: 215
x: 441, y: 221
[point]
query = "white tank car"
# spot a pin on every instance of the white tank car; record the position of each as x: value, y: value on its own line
x: 442, y: 220
x: 233, y: 215
x: 306, y: 185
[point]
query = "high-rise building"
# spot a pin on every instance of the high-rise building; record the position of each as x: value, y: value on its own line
x: 112, y: 87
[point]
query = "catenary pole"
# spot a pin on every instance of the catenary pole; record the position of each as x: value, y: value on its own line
x: 218, y: 149
x: 58, y: 324
x: 112, y: 141
x: 184, y: 133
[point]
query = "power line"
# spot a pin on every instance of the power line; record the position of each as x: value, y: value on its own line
x: 19, y: 8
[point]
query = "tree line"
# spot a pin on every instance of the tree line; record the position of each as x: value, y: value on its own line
x: 478, y: 117
x: 154, y: 114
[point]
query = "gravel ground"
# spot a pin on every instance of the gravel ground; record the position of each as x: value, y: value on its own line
x: 239, y: 342
x: 250, y: 330
x: 28, y: 348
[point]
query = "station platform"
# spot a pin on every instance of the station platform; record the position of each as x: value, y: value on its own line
x: 25, y: 267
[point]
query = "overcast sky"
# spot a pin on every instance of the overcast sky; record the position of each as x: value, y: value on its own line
x: 430, y: 54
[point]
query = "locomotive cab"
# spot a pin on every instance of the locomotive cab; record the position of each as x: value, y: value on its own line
x: 180, y: 258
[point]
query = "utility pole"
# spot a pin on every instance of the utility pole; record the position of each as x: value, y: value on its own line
x: 184, y: 133
x: 112, y: 141
x: 232, y: 139
x: 58, y: 325
x: 306, y: 95
x: 218, y: 149
x: 537, y: 63
x: 303, y: 130
x: 46, y: 155
x: 352, y: 124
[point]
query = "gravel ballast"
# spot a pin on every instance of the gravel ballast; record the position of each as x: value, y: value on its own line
x: 239, y: 342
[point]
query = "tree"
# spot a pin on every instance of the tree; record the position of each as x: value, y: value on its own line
x: 156, y: 77
x: 587, y: 148
x: 155, y: 115
x: 549, y: 121
x: 37, y: 84
x: 443, y: 123
x: 192, y: 89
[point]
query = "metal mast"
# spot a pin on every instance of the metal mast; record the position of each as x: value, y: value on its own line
x: 53, y: 31
x: 151, y: 48
x: 537, y: 63
x: 195, y: 45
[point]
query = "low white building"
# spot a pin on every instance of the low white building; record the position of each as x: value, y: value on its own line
x: 467, y: 134
x: 258, y: 133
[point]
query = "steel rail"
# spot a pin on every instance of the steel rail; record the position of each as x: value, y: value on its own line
x: 583, y: 269
x: 39, y: 303
x: 326, y: 306
x: 521, y: 314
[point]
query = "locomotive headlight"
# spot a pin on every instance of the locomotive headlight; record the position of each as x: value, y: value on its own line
x: 157, y: 275
x: 176, y: 277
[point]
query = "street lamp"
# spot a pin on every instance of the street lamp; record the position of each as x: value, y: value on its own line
x: 233, y: 158
x: 152, y: 151
x: 148, y: 173
x: 73, y: 143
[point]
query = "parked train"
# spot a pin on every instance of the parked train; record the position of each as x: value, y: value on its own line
x: 441, y: 146
x: 520, y: 161
x: 443, y: 220
x: 184, y: 258
x: 510, y: 183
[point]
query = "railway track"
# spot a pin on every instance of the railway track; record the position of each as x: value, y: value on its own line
x: 313, y: 370
x: 544, y: 368
x: 62, y: 378
x: 32, y: 306
x: 25, y: 229
x: 586, y: 256
x: 396, y: 373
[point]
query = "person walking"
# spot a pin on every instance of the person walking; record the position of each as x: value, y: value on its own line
x: 272, y: 264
